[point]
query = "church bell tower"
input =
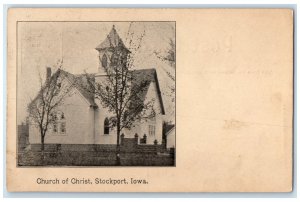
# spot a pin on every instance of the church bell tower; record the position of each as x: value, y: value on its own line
x: 108, y: 49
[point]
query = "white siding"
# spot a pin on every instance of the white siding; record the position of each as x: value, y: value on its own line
x: 79, y: 119
x: 140, y: 127
x: 171, y: 139
x: 85, y: 125
x: 102, y: 138
x: 157, y: 122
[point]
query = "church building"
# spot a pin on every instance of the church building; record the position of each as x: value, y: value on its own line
x: 82, y: 119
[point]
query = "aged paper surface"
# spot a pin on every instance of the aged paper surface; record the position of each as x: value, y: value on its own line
x: 234, y: 98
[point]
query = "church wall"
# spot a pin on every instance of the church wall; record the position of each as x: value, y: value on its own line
x: 84, y: 125
x: 135, y: 129
x: 78, y: 121
x: 157, y: 120
x: 171, y: 139
x: 141, y: 127
x: 145, y: 129
x: 102, y: 138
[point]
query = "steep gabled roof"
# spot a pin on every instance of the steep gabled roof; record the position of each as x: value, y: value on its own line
x: 140, y: 76
x: 112, y: 40
x: 147, y: 76
x: 81, y: 84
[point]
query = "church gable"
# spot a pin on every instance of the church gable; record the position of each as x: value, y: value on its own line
x: 82, y: 86
x: 79, y: 85
x: 149, y: 77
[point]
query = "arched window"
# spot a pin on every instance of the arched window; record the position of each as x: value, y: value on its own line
x: 106, y: 126
x: 104, y: 61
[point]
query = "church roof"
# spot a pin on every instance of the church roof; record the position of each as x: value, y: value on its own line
x: 81, y: 84
x: 140, y: 76
x: 147, y: 76
x: 167, y: 128
x: 112, y: 40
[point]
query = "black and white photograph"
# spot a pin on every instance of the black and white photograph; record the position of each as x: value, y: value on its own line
x: 96, y: 93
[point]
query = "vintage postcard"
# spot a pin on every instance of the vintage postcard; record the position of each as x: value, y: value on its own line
x: 149, y: 100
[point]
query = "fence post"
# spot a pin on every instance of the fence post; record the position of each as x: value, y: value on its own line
x: 136, y: 138
x: 164, y: 143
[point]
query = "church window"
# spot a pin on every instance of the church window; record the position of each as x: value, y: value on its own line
x: 62, y: 127
x: 151, y: 130
x: 55, y: 128
x: 104, y: 61
x: 106, y: 126
x: 62, y: 122
x: 59, y: 125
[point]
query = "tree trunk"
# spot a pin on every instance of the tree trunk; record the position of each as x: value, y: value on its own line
x: 118, y: 161
x: 42, y: 148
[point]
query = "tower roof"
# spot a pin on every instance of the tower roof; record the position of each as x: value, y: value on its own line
x: 112, y: 40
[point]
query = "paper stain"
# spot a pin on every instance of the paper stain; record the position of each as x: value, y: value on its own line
x: 233, y: 124
x: 276, y: 98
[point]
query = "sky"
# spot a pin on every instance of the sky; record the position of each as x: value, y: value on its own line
x: 44, y: 44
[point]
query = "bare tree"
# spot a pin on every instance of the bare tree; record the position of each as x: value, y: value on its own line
x: 121, y: 91
x: 170, y: 57
x: 42, y: 110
